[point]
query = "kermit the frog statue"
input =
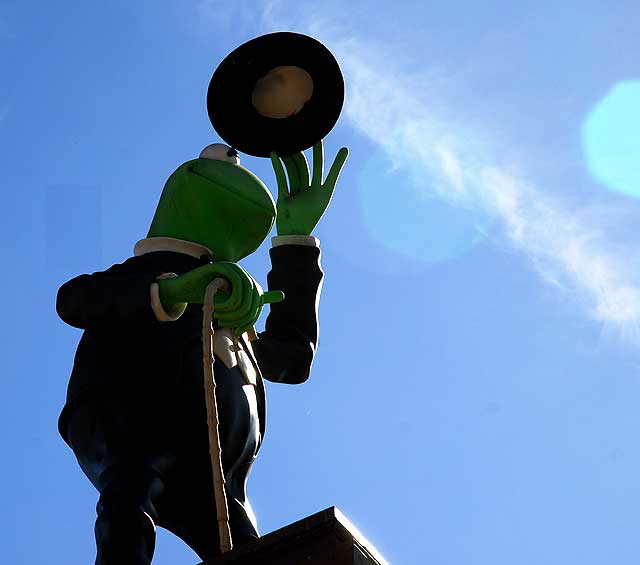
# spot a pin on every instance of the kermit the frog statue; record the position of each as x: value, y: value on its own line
x: 135, y: 414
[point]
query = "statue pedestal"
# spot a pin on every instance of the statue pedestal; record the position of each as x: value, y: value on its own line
x: 325, y: 538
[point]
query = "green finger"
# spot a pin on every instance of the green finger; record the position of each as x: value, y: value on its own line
x: 281, y: 178
x: 302, y: 166
x: 272, y: 296
x: 292, y: 171
x: 240, y: 286
x: 234, y: 296
x: 266, y: 298
x: 252, y: 315
x: 243, y: 307
x: 318, y: 164
x: 334, y: 172
x: 220, y: 298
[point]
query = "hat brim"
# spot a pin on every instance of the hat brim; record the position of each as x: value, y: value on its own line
x: 229, y: 97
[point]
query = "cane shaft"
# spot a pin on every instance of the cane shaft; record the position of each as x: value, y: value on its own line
x: 215, y: 451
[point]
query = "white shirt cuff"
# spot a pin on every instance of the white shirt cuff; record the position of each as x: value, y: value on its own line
x: 307, y: 240
x: 162, y: 314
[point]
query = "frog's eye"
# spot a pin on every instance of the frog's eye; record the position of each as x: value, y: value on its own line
x: 220, y: 152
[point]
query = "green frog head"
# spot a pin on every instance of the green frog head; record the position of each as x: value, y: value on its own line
x: 215, y: 202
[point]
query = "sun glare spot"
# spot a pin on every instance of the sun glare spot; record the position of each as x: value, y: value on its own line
x: 404, y: 216
x: 611, y: 139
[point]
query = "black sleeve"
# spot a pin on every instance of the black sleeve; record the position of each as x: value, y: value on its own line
x: 286, y: 348
x: 119, y: 294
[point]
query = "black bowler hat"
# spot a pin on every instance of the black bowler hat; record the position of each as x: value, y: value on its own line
x: 279, y: 92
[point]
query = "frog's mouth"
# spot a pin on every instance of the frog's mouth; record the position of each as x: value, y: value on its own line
x: 248, y: 191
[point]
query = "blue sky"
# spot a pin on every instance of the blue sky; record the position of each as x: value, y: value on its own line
x: 474, y: 398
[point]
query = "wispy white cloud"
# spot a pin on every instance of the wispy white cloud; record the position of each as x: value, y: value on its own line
x: 568, y: 251
x: 569, y: 247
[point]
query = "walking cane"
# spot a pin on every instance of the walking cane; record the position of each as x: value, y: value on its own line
x: 215, y: 452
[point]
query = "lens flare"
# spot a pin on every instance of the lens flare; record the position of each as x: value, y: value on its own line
x: 611, y: 139
x: 403, y: 216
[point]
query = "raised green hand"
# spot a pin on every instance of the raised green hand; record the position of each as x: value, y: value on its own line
x: 301, y: 204
x: 239, y: 308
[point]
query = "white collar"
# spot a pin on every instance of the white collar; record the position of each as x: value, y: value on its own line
x: 170, y: 244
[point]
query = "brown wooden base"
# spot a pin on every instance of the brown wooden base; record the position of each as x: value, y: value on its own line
x: 325, y: 538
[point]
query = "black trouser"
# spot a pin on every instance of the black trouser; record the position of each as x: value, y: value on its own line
x: 148, y: 457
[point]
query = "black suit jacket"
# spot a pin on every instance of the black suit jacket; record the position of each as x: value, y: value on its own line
x: 125, y: 350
